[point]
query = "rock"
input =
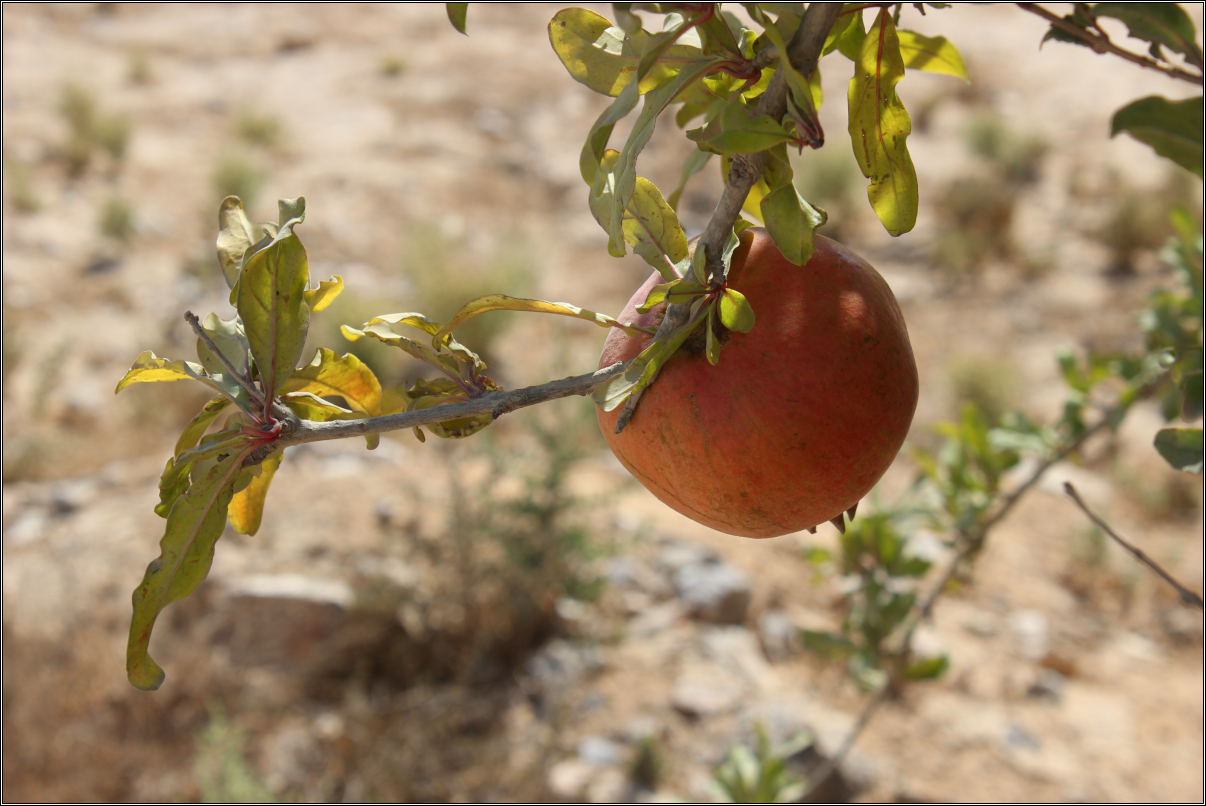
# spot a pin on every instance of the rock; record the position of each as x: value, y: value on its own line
x: 609, y: 786
x: 714, y: 591
x: 707, y: 689
x: 657, y: 618
x: 778, y: 635
x: 28, y: 527
x: 1030, y: 633
x: 675, y: 554
x: 736, y: 648
x: 567, y: 779
x: 599, y: 751
x: 631, y: 574
x: 560, y: 664
x: 1048, y: 685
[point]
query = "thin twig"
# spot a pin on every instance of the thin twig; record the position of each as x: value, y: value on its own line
x: 1187, y: 596
x: 493, y: 403
x: 804, y: 50
x: 1102, y: 44
x: 973, y: 542
x: 251, y: 391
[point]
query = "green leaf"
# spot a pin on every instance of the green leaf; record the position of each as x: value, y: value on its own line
x: 1173, y: 129
x: 827, y: 645
x: 227, y: 335
x: 1159, y: 23
x: 325, y: 294
x: 501, y: 302
x: 185, y: 555
x: 712, y: 344
x: 650, y: 225
x: 447, y: 363
x: 846, y: 35
x: 879, y: 125
x: 175, y: 477
x: 603, y: 58
x: 236, y: 234
x: 457, y: 12
x: 271, y: 300
x: 934, y: 54
x: 927, y: 668
x: 148, y: 368
x: 643, y: 369
x: 1181, y: 448
x: 736, y: 132
x: 246, y: 508
x: 1191, y: 392
x: 679, y: 291
x: 735, y: 311
x: 621, y: 180
x: 790, y: 220
x: 196, y: 426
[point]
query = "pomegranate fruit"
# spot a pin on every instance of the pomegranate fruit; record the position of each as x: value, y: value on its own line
x: 802, y: 415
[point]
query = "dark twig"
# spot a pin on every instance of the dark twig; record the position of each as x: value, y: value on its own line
x: 1187, y: 596
x: 1101, y: 43
x: 251, y: 391
x: 493, y: 403
x: 804, y: 50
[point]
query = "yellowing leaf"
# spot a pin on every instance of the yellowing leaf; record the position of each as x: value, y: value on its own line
x: 934, y: 54
x: 500, y: 302
x: 246, y: 508
x: 325, y: 294
x: 879, y: 125
x: 598, y: 55
x: 186, y: 553
x: 271, y: 300
x: 148, y: 368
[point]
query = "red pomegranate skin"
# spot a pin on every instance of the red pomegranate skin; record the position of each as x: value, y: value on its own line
x: 801, y: 416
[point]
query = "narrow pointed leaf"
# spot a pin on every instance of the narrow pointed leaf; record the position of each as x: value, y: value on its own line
x: 271, y: 300
x: 1181, y: 447
x: 409, y: 346
x: 1173, y: 129
x: 1159, y: 23
x: 500, y: 302
x: 185, y: 555
x: 192, y: 432
x: 624, y: 173
x: 246, y: 508
x: 679, y: 291
x: 879, y: 126
x: 790, y: 220
x: 148, y: 368
x: 236, y: 234
x: 927, y: 668
x: 325, y: 294
x: 643, y: 369
x: 175, y: 478
x: 934, y: 54
x: 846, y: 35
x: 712, y: 345
x: 457, y: 13
x: 735, y: 311
x: 603, y: 58
x: 227, y: 335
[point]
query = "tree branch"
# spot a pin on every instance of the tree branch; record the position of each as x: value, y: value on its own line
x: 1187, y: 596
x: 495, y: 404
x: 804, y: 50
x: 251, y: 391
x: 1102, y: 44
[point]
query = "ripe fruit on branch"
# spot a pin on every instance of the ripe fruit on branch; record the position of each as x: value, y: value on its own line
x: 802, y: 415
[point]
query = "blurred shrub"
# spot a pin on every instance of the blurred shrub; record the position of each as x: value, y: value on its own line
x: 988, y: 384
x: 761, y: 775
x: 648, y: 763
x: 393, y: 66
x: 443, y: 277
x: 236, y: 175
x: 830, y: 178
x: 138, y: 68
x: 262, y: 130
x: 1136, y: 220
x: 88, y: 130
x: 18, y: 186
x: 220, y: 771
x: 975, y: 213
x: 117, y: 219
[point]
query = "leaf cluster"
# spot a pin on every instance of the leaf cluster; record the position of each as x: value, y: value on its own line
x: 761, y: 775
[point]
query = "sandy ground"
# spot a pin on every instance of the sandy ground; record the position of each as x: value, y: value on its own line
x: 424, y: 153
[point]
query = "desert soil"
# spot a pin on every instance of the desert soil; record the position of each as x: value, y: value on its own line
x: 1075, y: 675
